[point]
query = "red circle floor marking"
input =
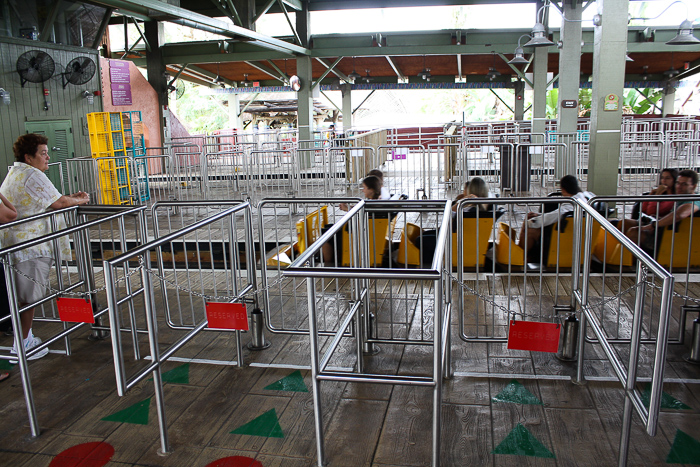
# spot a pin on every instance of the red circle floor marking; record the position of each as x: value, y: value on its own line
x: 235, y: 461
x: 94, y: 454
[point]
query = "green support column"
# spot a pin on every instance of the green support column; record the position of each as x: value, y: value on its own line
x: 610, y: 45
x: 569, y: 82
x: 519, y: 87
x: 305, y: 110
x: 539, y: 82
x: 246, y: 11
x: 155, y: 67
x: 346, y: 91
x: 234, y: 110
x: 669, y: 99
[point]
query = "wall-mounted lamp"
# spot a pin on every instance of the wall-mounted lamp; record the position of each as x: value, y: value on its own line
x: 685, y: 35
x: 4, y: 96
x: 685, y: 30
x: 538, y: 36
x: 89, y: 96
x: 519, y: 58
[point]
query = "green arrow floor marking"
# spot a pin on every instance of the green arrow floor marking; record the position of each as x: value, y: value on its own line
x: 178, y: 375
x: 516, y: 393
x: 685, y: 450
x: 293, y: 383
x: 667, y: 400
x: 520, y: 442
x: 136, y: 414
x: 5, y: 365
x: 266, y: 425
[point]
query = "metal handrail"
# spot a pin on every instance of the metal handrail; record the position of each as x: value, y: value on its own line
x: 628, y: 377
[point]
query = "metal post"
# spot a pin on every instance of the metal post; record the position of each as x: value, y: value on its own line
x: 19, y: 345
x: 315, y: 383
x: 632, y: 367
x: 258, y: 341
x: 437, y: 372
x: 151, y: 322
x: 694, y: 356
x: 569, y: 339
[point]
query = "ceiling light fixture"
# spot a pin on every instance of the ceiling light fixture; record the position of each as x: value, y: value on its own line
x: 685, y: 30
x: 519, y: 58
x: 245, y: 82
x: 218, y: 80
x: 425, y: 74
x: 672, y: 72
x: 367, y: 78
x: 685, y: 35
x: 493, y: 72
x: 538, y: 36
x: 354, y: 76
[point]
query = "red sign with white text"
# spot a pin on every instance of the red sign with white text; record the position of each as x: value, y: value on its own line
x: 227, y: 316
x: 534, y: 336
x: 75, y: 310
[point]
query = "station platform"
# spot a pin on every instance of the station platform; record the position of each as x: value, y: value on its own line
x: 502, y: 407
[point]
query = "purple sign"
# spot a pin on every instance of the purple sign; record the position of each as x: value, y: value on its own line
x: 119, y: 72
x: 121, y: 94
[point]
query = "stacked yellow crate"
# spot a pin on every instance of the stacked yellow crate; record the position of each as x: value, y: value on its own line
x: 106, y: 131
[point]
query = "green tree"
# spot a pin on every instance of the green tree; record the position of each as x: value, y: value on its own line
x: 641, y: 101
x: 552, y: 102
x: 201, y: 112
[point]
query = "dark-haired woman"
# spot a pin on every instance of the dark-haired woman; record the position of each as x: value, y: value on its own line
x: 372, y: 189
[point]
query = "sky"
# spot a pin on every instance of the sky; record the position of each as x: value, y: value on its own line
x: 475, y: 16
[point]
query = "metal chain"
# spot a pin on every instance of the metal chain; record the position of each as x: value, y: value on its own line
x: 676, y: 294
x: 84, y: 294
x: 493, y: 303
x: 509, y: 312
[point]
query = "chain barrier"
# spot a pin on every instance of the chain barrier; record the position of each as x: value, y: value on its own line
x: 678, y: 295
x: 557, y: 316
x: 85, y: 294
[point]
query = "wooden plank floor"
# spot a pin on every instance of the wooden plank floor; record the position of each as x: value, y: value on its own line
x: 503, y: 407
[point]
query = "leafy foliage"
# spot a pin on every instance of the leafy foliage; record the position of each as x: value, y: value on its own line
x: 200, y: 112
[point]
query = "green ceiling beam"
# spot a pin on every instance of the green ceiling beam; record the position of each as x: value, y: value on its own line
x: 165, y: 12
x: 259, y: 66
x: 293, y: 4
x: 322, y: 5
x: 126, y: 9
x: 405, y: 44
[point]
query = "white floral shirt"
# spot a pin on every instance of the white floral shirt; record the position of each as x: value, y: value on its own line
x: 32, y: 193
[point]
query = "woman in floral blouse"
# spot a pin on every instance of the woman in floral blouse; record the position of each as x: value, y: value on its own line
x: 31, y: 192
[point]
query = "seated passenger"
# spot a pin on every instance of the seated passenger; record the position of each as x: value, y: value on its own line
x: 648, y: 211
x: 686, y: 184
x: 532, y: 228
x: 380, y: 175
x: 473, y: 189
x: 371, y: 188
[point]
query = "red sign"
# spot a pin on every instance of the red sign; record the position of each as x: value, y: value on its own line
x: 75, y: 310
x: 227, y: 316
x: 534, y: 336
